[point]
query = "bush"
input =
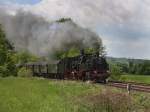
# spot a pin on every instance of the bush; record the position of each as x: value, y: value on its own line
x: 115, y: 72
x: 3, y: 71
x: 109, y: 102
x: 24, y: 57
x: 23, y: 72
x: 8, y: 69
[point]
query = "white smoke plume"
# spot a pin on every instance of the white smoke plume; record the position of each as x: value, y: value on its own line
x: 30, y: 32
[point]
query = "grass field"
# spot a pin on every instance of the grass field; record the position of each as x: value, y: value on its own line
x: 136, y: 78
x: 43, y: 95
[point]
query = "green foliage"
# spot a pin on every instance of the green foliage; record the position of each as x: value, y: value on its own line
x: 3, y: 71
x: 5, y: 45
x: 115, y: 71
x: 8, y: 69
x: 74, y: 51
x: 139, y: 68
x: 132, y: 66
x: 94, y: 50
x: 70, y: 53
x: 3, y: 48
x: 89, y: 50
x: 7, y: 65
x: 58, y: 55
x: 9, y: 59
x: 24, y: 57
x: 62, y: 20
x: 23, y: 72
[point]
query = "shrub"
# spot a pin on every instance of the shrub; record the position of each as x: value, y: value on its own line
x: 3, y: 71
x: 23, y: 72
x: 7, y: 69
x: 109, y: 102
x: 115, y: 72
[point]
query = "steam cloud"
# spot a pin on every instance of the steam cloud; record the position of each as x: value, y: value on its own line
x: 40, y: 37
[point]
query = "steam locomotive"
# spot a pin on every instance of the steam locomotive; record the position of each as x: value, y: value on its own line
x: 84, y: 67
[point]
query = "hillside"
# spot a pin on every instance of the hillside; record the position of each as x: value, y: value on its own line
x: 125, y: 60
x: 130, y: 66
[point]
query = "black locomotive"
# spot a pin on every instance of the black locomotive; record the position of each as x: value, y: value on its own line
x: 83, y: 67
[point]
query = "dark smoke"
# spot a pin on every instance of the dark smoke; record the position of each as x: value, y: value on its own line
x: 34, y: 34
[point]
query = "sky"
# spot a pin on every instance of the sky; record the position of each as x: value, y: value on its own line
x: 123, y: 25
x: 20, y: 1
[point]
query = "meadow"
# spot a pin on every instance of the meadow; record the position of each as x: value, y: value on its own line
x: 44, y: 95
x: 136, y: 78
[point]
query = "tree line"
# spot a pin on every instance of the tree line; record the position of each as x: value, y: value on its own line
x: 131, y: 66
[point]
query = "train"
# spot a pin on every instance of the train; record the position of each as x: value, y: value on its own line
x: 85, y: 67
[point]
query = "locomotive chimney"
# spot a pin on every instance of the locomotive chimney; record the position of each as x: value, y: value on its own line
x: 82, y: 52
x: 97, y: 54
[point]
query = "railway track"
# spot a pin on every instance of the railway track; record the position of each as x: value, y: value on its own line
x: 130, y: 86
x: 124, y: 85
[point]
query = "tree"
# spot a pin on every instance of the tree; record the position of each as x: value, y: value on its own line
x: 146, y: 68
x: 24, y: 57
x: 7, y: 66
x: 62, y: 20
x: 116, y: 71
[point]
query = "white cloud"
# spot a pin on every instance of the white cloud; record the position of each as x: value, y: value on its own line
x: 138, y: 49
x: 132, y: 16
x: 95, y: 13
x: 88, y: 12
x: 91, y: 14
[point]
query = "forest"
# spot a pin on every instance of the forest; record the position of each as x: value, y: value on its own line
x: 130, y: 66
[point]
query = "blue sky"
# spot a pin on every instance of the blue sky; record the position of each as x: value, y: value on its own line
x: 20, y: 1
x: 123, y: 25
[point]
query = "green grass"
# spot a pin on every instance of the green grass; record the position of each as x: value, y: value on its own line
x: 40, y: 95
x: 136, y: 78
x: 43, y: 95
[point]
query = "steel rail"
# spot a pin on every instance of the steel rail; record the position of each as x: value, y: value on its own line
x: 133, y: 86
